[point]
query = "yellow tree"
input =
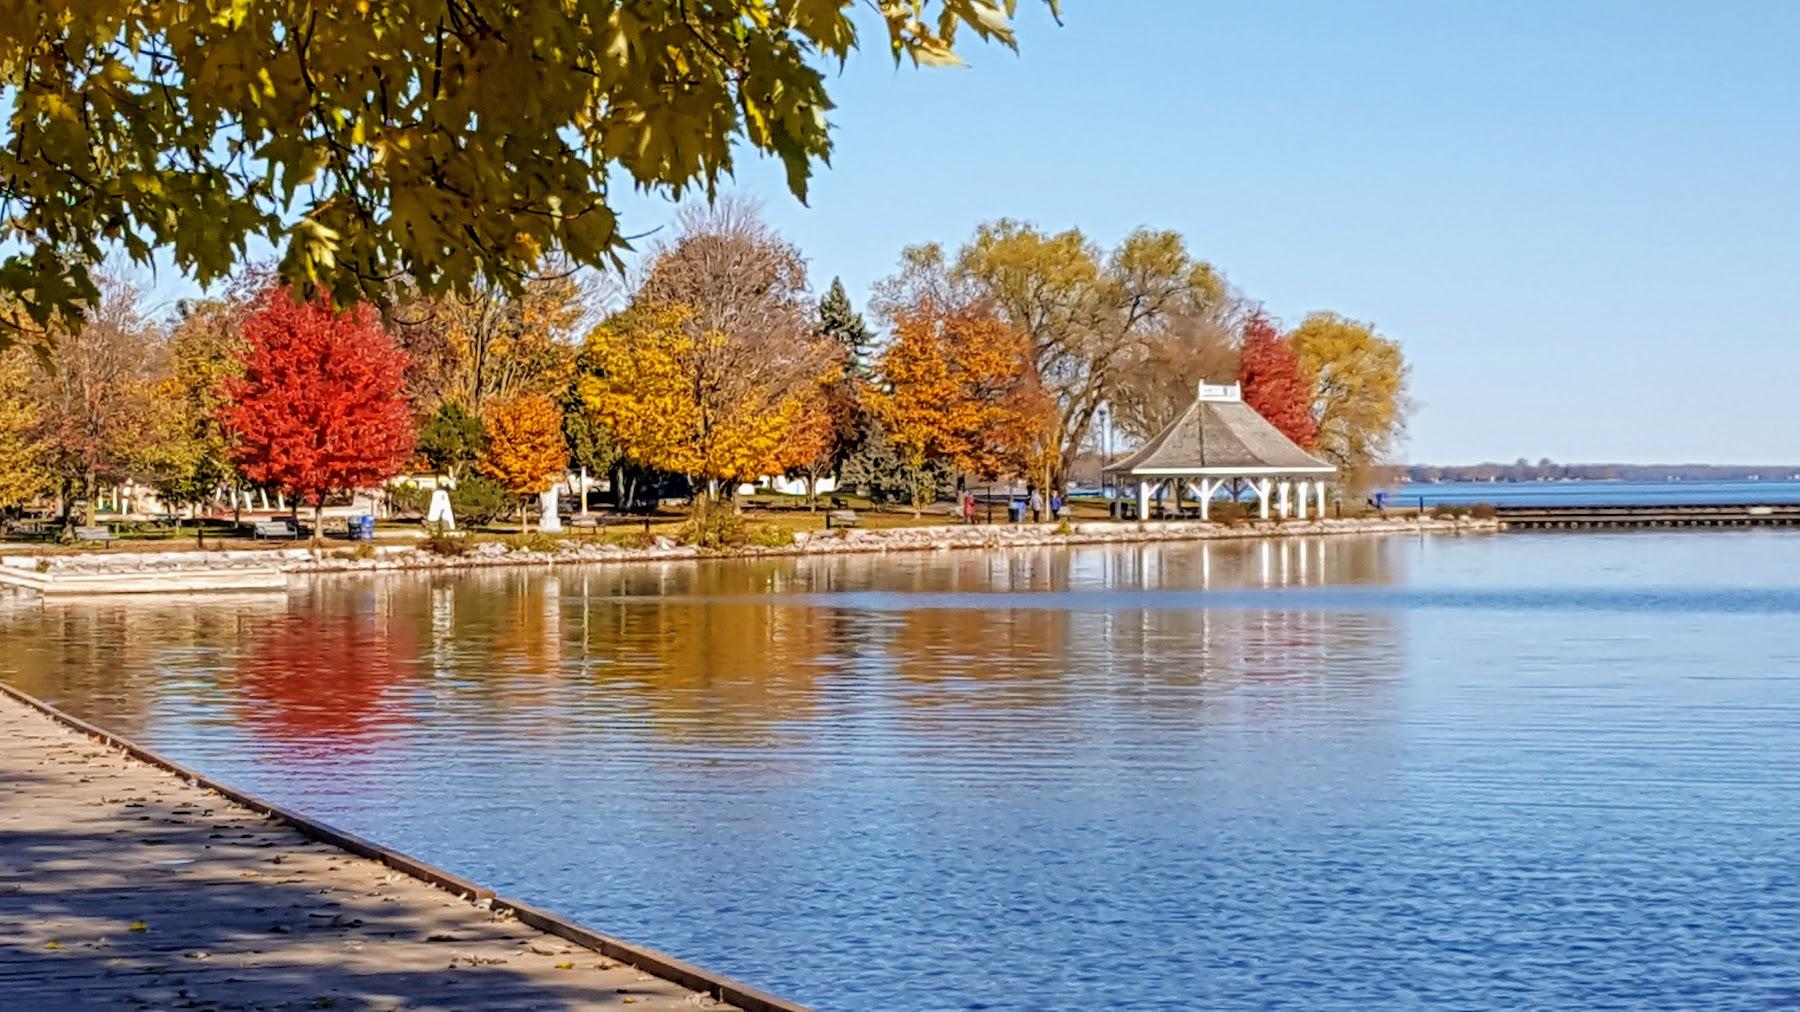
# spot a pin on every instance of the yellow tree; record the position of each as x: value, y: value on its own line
x: 957, y: 385
x: 1361, y: 401
x: 525, y: 450
x: 24, y: 475
x: 686, y: 403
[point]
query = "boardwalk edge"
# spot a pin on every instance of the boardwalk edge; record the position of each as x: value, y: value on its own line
x: 648, y: 960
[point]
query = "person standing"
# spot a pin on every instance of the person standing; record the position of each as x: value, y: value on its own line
x: 1037, y: 505
x: 1056, y: 505
x: 968, y: 505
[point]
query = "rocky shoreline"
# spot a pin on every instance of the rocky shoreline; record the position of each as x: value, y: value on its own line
x: 218, y: 570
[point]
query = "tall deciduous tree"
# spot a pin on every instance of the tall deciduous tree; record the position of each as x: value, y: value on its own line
x: 24, y: 472
x: 186, y: 455
x: 1087, y: 315
x: 494, y: 343
x: 683, y: 402
x: 525, y: 449
x: 727, y: 351
x: 1274, y: 383
x: 92, y: 398
x: 319, y: 408
x: 955, y: 384
x: 451, y: 142
x: 1360, y: 400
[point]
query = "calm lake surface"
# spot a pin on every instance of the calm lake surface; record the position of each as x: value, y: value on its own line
x: 1518, y: 770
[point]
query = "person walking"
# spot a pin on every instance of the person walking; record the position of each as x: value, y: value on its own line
x: 1056, y: 505
x: 1037, y: 506
x: 968, y: 505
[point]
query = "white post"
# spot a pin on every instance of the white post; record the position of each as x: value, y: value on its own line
x: 439, y: 511
x: 1262, y: 494
x: 1300, y: 500
x: 584, y: 490
x: 265, y: 497
x: 1285, y: 490
x: 1207, y: 488
x: 1143, y: 500
x: 548, y: 519
x: 1321, y: 498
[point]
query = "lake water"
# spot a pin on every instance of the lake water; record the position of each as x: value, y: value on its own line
x: 1520, y: 770
x: 1598, y: 493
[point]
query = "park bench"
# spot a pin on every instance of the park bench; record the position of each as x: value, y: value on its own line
x: 94, y: 534
x: 841, y: 518
x: 274, y: 529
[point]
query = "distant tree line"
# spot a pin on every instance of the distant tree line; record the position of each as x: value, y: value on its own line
x: 1548, y: 470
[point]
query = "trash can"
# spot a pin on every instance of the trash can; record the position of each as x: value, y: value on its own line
x: 1015, y: 510
x: 363, y: 528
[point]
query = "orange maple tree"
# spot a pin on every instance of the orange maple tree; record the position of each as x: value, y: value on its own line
x: 525, y: 449
x: 957, y: 384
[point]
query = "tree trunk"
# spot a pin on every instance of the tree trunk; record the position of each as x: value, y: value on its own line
x: 812, y: 490
x: 318, y: 533
x: 199, y: 525
x: 68, y: 510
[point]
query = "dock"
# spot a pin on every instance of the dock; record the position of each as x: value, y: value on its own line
x: 127, y: 879
x: 1622, y: 516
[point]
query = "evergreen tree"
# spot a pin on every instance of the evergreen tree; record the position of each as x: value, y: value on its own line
x: 841, y: 322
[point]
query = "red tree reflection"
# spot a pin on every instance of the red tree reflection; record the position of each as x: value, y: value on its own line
x: 319, y: 681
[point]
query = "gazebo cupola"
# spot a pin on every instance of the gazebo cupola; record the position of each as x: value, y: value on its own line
x: 1219, y: 440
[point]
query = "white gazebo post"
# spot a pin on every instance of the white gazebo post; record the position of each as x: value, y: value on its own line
x: 1207, y: 488
x: 584, y: 490
x: 1285, y: 492
x: 1262, y: 494
x: 1300, y: 499
x: 1144, y: 499
x: 1321, y: 485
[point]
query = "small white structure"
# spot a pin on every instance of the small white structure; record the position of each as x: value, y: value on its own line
x: 1218, y: 441
x: 439, y: 512
x: 549, y: 520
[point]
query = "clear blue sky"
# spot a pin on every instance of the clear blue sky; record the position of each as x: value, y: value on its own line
x: 1581, y: 219
x: 1577, y: 217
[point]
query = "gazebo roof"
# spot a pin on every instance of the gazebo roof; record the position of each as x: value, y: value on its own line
x: 1219, y: 434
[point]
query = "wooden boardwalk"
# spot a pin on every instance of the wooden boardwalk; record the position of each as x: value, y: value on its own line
x: 123, y: 884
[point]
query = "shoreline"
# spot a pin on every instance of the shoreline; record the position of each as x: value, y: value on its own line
x: 429, y: 915
x: 241, y: 570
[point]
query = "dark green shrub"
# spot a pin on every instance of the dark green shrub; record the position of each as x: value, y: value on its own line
x: 478, y: 501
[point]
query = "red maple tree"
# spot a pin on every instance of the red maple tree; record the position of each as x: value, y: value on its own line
x: 319, y: 407
x: 1273, y: 382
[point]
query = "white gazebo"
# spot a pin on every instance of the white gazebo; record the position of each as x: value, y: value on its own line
x: 1218, y: 442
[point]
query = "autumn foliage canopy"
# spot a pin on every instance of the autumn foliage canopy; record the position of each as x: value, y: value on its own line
x: 1274, y: 382
x: 320, y: 406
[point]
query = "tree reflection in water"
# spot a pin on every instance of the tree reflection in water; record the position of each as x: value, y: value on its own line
x: 742, y: 653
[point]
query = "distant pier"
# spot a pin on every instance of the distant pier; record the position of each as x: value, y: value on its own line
x: 1627, y: 517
